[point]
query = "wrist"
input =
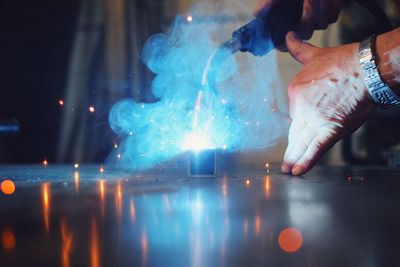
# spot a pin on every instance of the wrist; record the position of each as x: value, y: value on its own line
x: 386, y: 47
x: 381, y: 93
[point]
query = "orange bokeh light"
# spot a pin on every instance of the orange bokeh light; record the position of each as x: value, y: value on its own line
x: 7, y: 187
x: 290, y: 239
x: 8, y: 239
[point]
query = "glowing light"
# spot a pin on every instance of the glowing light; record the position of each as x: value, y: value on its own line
x: 245, y: 226
x: 8, y: 239
x: 61, y: 102
x: 225, y: 186
x: 76, y: 165
x: 76, y: 180
x: 196, y: 141
x: 92, y: 109
x: 119, y: 156
x: 7, y: 187
x: 101, y: 189
x: 189, y: 18
x: 66, y: 247
x: 45, y: 162
x: 247, y: 182
x: 94, y: 245
x: 257, y: 224
x: 145, y: 248
x: 102, y: 196
x: 118, y: 200
x: 101, y: 169
x: 46, y: 206
x: 267, y: 186
x: 290, y: 240
x: 132, y: 210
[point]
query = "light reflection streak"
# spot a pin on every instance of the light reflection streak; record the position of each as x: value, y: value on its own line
x: 132, y: 210
x: 102, y: 196
x: 76, y: 180
x: 94, y: 245
x: 145, y: 248
x: 225, y: 185
x: 66, y: 247
x: 46, y: 206
x: 267, y: 186
x: 245, y: 226
x: 118, y: 200
x: 257, y: 225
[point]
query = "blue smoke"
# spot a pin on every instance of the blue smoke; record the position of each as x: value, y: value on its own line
x: 248, y: 112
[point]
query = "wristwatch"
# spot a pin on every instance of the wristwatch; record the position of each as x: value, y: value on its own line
x: 380, y: 92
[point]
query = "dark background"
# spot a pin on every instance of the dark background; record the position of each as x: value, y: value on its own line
x: 35, y: 46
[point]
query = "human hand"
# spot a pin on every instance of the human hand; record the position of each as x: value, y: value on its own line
x: 317, y: 14
x: 327, y: 100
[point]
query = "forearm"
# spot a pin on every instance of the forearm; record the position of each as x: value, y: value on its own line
x: 388, y: 58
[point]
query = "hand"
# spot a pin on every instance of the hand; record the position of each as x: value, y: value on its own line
x: 317, y: 14
x: 327, y: 100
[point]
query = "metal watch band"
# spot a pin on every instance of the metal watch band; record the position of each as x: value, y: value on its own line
x: 380, y: 92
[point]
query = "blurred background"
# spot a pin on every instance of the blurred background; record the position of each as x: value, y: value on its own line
x: 64, y: 63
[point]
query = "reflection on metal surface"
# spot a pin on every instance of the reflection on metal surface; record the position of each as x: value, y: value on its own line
x: 132, y: 209
x: 94, y: 245
x: 102, y: 190
x: 46, y: 205
x: 290, y: 239
x: 245, y: 226
x: 118, y: 200
x: 76, y: 180
x: 257, y: 225
x: 8, y: 239
x: 225, y: 185
x: 172, y: 221
x: 67, y: 239
x: 267, y: 186
x: 145, y: 247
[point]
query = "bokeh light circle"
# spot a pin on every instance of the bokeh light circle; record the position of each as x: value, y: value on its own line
x: 290, y: 239
x: 8, y: 239
x: 7, y: 187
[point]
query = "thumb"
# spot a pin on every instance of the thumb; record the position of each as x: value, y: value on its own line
x: 303, y: 52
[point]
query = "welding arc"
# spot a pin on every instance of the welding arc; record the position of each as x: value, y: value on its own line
x: 214, y: 62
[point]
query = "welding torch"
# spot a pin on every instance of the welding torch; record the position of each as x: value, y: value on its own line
x: 269, y: 28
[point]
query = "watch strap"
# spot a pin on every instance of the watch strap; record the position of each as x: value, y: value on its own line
x: 379, y: 91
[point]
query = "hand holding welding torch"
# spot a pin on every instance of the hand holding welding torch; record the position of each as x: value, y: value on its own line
x: 315, y: 14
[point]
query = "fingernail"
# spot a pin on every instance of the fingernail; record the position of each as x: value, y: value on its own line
x: 290, y: 36
x: 297, y: 170
x: 285, y: 168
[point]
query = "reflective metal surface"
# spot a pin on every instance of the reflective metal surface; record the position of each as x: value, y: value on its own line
x: 59, y: 216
